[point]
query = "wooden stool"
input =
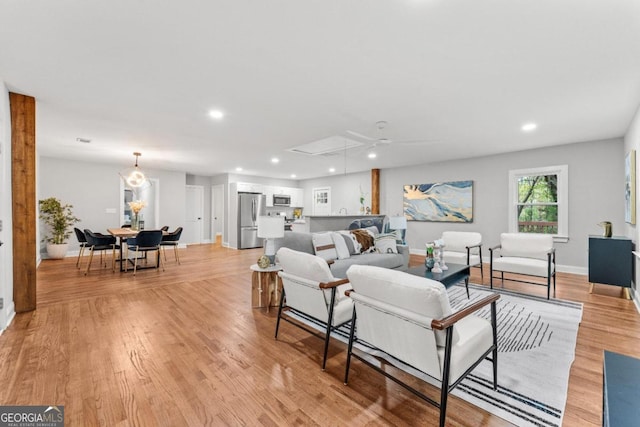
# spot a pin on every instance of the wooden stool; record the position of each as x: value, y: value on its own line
x: 266, y: 286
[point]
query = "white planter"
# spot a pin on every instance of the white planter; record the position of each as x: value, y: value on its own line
x: 57, y: 251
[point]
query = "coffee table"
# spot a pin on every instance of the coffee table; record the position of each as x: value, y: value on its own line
x: 453, y: 275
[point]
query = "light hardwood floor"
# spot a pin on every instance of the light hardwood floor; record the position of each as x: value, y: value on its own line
x: 184, y: 347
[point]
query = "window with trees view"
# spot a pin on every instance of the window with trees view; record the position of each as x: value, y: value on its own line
x: 538, y: 201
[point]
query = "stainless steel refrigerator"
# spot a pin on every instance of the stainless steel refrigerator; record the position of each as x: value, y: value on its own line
x: 250, y: 207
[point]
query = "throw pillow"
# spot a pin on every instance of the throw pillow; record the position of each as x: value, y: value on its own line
x: 352, y: 242
x: 341, y: 247
x: 365, y: 239
x: 323, y: 246
x: 386, y: 244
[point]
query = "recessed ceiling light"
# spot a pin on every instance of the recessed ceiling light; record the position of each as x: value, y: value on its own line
x: 332, y: 170
x: 372, y: 155
x: 83, y: 140
x: 293, y: 175
x: 529, y: 127
x: 238, y: 169
x: 216, y: 114
x: 275, y: 160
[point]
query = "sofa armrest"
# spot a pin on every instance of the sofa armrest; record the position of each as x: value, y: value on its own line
x: 404, y: 251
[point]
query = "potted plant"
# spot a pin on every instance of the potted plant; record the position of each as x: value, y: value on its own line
x: 59, y: 218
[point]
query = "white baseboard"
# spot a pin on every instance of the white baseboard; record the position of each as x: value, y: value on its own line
x: 635, y: 296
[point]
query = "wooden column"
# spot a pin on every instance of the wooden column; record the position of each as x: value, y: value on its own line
x: 375, y: 191
x: 23, y: 188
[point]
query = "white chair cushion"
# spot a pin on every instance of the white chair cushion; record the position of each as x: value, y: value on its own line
x: 457, y: 241
x: 525, y: 245
x: 412, y: 293
x: 460, y: 258
x: 475, y: 336
x: 528, y: 266
x: 304, y: 265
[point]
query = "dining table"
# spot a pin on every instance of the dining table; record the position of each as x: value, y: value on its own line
x: 122, y: 234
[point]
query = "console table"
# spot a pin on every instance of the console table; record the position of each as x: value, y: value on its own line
x: 611, y: 262
x: 621, y: 390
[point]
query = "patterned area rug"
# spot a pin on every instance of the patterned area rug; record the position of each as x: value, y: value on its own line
x: 536, y: 347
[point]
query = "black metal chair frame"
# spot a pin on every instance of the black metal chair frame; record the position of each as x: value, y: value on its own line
x: 100, y: 242
x: 82, y: 240
x: 551, y: 260
x: 171, y: 239
x: 328, y: 328
x: 143, y: 235
x: 445, y: 324
x: 479, y: 246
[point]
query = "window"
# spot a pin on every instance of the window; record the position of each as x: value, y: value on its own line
x: 538, y: 201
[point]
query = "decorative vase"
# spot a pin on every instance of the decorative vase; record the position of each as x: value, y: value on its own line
x: 606, y: 228
x: 57, y: 251
x: 135, y: 221
x: 429, y: 262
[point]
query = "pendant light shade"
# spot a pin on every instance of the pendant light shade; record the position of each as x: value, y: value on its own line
x: 134, y: 177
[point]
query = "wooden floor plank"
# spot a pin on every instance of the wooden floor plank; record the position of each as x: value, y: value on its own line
x: 184, y: 347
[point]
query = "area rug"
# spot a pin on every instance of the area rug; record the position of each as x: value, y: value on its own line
x: 536, y: 347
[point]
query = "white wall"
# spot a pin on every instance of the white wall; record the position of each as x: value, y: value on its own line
x: 345, y: 192
x: 596, y: 183
x: 6, y: 234
x: 632, y: 142
x: 92, y: 188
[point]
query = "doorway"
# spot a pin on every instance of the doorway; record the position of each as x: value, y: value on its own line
x: 217, y: 212
x: 321, y: 202
x: 194, y: 213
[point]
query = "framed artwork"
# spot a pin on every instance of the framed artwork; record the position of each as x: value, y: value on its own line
x: 630, y: 187
x: 440, y: 202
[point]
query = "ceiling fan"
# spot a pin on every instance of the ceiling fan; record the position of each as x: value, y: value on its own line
x: 381, y: 139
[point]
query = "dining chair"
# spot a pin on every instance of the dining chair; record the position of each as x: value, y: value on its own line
x: 82, y: 240
x: 165, y: 228
x: 100, y: 242
x: 145, y: 242
x: 171, y: 239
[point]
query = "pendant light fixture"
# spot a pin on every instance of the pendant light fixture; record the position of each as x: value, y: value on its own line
x: 134, y: 177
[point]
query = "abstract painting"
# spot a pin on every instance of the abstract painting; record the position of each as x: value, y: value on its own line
x: 630, y: 187
x: 441, y: 201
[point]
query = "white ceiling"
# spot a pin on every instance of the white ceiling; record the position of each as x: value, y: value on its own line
x: 467, y: 74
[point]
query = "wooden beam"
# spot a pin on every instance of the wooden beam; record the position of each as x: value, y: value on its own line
x: 23, y: 188
x: 375, y: 191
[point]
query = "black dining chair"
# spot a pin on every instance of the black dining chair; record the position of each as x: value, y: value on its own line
x: 171, y: 239
x: 100, y: 242
x: 82, y: 240
x: 145, y: 242
x: 165, y: 228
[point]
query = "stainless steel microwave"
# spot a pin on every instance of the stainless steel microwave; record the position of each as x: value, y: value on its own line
x: 281, y: 200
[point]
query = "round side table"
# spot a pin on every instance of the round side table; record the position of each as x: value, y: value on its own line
x: 266, y: 286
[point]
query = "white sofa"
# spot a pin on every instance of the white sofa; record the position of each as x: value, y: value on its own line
x: 463, y: 247
x: 525, y: 254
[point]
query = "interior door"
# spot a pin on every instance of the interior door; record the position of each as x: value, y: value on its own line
x: 322, y: 201
x: 193, y: 226
x: 217, y: 212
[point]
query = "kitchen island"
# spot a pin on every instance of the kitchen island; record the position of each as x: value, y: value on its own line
x: 317, y: 223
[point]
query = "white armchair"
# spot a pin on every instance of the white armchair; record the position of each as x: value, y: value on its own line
x: 409, y: 318
x: 463, y: 247
x: 525, y: 254
x: 310, y: 289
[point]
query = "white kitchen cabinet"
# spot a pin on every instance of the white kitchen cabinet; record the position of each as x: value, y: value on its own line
x: 268, y: 190
x: 297, y: 197
x: 247, y: 187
